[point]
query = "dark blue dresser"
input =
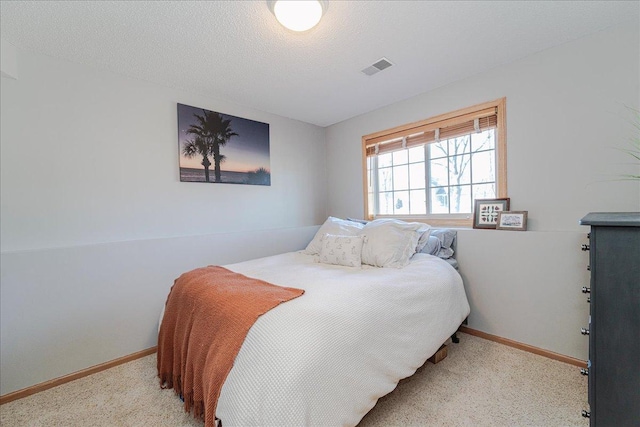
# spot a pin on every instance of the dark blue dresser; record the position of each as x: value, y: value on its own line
x: 614, y: 321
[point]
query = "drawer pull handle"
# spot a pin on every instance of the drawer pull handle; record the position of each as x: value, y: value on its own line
x: 588, y: 268
x: 586, y: 414
x: 584, y: 331
x: 585, y: 247
x: 586, y: 290
x: 584, y: 371
x: 589, y: 300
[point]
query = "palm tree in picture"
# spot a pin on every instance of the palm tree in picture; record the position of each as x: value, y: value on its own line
x: 222, y: 135
x: 215, y: 132
x: 199, y: 146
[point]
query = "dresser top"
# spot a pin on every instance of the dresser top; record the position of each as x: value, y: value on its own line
x: 611, y: 219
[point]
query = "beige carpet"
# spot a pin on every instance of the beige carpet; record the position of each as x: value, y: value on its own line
x: 480, y: 383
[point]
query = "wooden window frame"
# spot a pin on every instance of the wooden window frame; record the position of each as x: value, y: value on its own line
x: 441, y: 121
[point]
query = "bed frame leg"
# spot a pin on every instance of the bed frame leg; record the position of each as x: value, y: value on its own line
x: 440, y: 355
x: 454, y: 337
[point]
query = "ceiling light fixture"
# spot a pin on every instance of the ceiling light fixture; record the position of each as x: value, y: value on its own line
x: 298, y: 15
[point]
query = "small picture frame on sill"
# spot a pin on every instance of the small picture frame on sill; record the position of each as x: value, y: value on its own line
x: 485, y: 213
x: 512, y: 220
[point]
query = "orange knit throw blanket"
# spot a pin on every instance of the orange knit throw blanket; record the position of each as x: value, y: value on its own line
x: 207, y: 316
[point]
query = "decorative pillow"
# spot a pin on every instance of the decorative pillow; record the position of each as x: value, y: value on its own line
x: 390, y: 243
x: 341, y: 250
x: 335, y: 226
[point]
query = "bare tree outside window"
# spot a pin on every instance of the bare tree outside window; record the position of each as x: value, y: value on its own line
x: 440, y: 178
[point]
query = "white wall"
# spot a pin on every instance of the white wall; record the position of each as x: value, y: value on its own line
x: 96, y: 225
x: 89, y: 156
x: 566, y: 117
x: 8, y: 60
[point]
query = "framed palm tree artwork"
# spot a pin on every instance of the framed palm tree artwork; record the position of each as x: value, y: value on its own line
x: 220, y: 148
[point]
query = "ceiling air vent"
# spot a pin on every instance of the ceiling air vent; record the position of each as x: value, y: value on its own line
x: 381, y: 64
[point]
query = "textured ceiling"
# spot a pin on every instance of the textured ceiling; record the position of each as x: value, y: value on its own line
x: 236, y: 50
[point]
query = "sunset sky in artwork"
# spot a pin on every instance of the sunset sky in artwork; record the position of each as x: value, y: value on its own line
x: 247, y: 151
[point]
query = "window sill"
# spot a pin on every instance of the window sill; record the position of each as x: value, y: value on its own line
x: 435, y: 222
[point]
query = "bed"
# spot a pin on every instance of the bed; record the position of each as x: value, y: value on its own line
x: 326, y: 357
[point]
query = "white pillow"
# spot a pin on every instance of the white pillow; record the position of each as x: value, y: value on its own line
x: 425, y: 232
x: 423, y: 229
x: 390, y: 243
x: 341, y: 250
x: 335, y: 226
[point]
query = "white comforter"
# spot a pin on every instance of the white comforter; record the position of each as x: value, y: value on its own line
x: 325, y: 358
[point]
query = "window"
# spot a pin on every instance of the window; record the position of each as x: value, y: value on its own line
x: 434, y: 169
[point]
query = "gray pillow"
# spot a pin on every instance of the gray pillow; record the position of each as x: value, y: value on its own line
x: 361, y: 221
x: 442, y: 246
x: 432, y: 247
